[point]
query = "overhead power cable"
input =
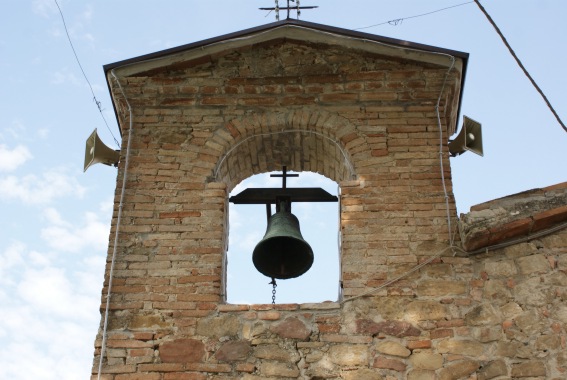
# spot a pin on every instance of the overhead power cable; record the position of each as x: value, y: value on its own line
x: 398, y: 21
x: 521, y: 65
x: 97, y: 102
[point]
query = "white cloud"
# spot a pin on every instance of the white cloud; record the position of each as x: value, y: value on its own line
x: 60, y: 345
x: 88, y: 12
x: 10, y: 260
x: 15, y: 131
x: 47, y: 290
x: 248, y: 241
x: 10, y: 159
x: 239, y: 188
x: 44, y: 8
x: 39, y: 259
x: 33, y: 189
x: 67, y: 237
x: 77, y: 28
x: 305, y: 208
x: 42, y: 133
x: 64, y: 76
x: 49, y: 312
x: 90, y: 279
x: 55, y: 31
x: 75, y: 22
x: 235, y: 219
x: 52, y: 291
x: 53, y: 216
x: 107, y: 206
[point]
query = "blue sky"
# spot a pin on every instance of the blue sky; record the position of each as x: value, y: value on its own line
x: 55, y: 218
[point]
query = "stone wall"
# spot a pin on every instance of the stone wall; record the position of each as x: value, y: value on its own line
x: 365, y: 119
x: 501, y: 315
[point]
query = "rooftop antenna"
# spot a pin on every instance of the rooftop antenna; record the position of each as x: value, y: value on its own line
x: 289, y: 8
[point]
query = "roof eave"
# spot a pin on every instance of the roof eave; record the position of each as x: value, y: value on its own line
x: 324, y: 28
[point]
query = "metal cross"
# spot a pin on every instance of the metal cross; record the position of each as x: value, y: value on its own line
x: 284, y: 176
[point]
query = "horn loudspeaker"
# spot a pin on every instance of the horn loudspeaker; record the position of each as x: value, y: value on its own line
x: 96, y: 152
x: 470, y: 138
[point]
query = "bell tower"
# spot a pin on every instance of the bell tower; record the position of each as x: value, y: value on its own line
x: 371, y: 113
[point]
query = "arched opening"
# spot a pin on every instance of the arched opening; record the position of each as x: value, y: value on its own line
x: 319, y: 223
x: 306, y: 143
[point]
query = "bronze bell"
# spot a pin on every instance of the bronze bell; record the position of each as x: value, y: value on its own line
x: 282, y: 253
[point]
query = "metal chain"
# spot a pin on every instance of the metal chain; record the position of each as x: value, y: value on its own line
x: 274, y: 285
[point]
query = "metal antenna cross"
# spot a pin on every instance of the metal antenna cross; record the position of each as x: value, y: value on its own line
x: 289, y: 8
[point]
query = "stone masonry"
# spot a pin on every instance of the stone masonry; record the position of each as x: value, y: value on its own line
x: 365, y: 112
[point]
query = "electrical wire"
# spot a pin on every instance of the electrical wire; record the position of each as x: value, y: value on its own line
x: 117, y: 231
x: 97, y: 102
x: 441, y: 144
x: 520, y: 64
x: 398, y: 21
x: 396, y: 279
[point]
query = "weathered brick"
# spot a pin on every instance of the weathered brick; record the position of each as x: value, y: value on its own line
x: 233, y: 351
x: 182, y: 351
x: 139, y: 376
x: 292, y: 328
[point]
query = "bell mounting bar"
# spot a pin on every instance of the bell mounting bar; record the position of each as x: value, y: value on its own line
x: 269, y: 195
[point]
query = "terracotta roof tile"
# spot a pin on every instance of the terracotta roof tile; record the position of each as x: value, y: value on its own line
x: 514, y: 216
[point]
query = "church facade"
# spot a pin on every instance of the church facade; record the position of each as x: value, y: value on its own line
x: 374, y: 115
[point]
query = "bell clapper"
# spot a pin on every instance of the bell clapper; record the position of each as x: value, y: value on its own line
x: 274, y: 285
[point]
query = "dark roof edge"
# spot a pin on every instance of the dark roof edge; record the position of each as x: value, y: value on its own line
x: 311, y: 25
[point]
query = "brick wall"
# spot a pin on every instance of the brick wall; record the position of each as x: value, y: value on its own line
x: 363, y: 118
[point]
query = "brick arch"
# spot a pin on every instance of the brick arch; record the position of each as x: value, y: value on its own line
x: 301, y: 140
